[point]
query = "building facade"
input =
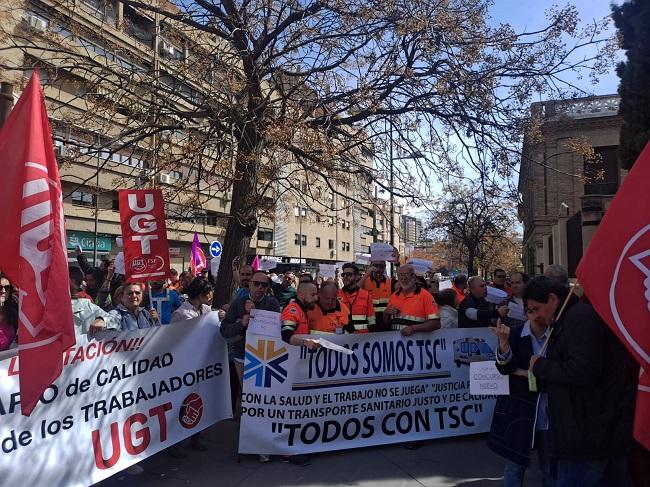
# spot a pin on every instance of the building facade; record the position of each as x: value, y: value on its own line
x: 569, y: 174
x: 300, y: 231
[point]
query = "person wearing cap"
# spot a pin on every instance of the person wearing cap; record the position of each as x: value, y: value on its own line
x: 380, y: 288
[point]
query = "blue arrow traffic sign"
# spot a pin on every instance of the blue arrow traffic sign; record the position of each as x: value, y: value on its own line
x: 215, y: 248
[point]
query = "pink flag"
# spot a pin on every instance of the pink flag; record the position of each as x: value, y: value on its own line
x: 198, y: 257
x: 256, y: 263
x: 33, y: 244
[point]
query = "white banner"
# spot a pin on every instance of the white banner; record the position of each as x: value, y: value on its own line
x: 390, y: 390
x: 119, y: 400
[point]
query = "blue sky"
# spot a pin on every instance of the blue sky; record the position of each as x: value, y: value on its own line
x: 530, y: 15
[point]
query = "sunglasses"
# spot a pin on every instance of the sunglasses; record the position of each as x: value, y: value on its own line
x: 6, y: 288
x: 347, y: 274
x: 500, y: 277
x: 260, y: 284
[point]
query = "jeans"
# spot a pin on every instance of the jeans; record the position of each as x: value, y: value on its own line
x: 605, y: 472
x: 513, y: 473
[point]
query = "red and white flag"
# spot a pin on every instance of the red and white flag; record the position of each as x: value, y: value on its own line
x: 144, y: 233
x: 615, y: 273
x: 33, y: 244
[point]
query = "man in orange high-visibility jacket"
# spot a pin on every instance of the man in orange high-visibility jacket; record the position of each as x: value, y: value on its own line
x: 380, y: 288
x: 460, y: 287
x: 411, y: 309
x: 329, y: 315
x: 294, y: 316
x: 358, y: 301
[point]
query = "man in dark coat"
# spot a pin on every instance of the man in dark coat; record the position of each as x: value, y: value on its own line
x: 475, y: 311
x: 591, y: 384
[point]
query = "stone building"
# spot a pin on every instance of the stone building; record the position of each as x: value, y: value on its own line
x: 564, y: 189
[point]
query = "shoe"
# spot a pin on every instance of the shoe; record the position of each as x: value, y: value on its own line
x: 299, y: 460
x: 178, y: 452
x: 134, y: 470
x: 264, y: 458
x: 198, y: 444
x: 413, y: 445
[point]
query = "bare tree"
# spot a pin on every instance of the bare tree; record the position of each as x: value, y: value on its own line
x: 476, y: 222
x: 270, y: 94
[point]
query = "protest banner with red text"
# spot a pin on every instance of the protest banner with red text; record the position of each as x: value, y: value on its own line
x: 146, y: 253
x: 120, y: 398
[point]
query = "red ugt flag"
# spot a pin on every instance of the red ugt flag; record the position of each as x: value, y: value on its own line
x: 32, y: 243
x: 615, y: 273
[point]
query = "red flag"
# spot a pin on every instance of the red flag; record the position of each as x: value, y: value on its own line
x: 144, y: 232
x: 32, y: 243
x: 615, y: 273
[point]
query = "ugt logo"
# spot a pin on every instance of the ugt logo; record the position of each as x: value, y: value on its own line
x: 264, y: 362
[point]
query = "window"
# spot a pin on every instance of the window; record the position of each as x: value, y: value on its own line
x: 331, y: 244
x: 178, y: 175
x: 102, y: 9
x: 81, y: 198
x: 265, y: 234
x: 304, y: 240
x: 211, y: 218
x: 343, y: 224
x: 317, y: 241
x: 602, y: 172
x: 297, y: 211
x: 170, y: 50
x: 116, y: 205
x: 345, y: 246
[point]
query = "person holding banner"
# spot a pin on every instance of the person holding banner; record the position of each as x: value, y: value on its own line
x: 130, y: 314
x: 411, y: 309
x: 520, y: 419
x: 87, y: 316
x: 475, y: 311
x: 358, y: 301
x: 591, y: 381
x: 329, y: 315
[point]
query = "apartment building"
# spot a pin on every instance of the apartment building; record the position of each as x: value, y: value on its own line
x: 299, y: 231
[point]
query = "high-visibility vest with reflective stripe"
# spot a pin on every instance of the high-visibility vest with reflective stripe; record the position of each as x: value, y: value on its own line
x: 321, y: 322
x: 415, y: 308
x: 294, y: 319
x: 362, y: 312
x: 380, y: 294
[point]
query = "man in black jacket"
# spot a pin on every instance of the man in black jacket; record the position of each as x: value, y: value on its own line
x: 475, y: 311
x: 590, y: 379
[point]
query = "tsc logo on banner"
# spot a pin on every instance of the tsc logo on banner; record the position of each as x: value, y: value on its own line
x: 264, y: 363
x: 146, y: 253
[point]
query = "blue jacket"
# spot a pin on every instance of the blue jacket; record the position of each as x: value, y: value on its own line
x: 130, y: 321
x: 513, y: 423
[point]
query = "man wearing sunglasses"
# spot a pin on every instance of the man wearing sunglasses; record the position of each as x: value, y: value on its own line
x: 235, y: 323
x: 358, y: 301
x: 499, y: 281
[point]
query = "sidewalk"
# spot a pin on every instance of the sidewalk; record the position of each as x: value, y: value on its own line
x: 464, y: 461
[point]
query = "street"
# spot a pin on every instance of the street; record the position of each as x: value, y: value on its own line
x: 464, y: 461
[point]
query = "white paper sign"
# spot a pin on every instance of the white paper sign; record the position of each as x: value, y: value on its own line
x: 444, y: 285
x: 421, y: 266
x: 516, y: 311
x: 333, y: 346
x: 265, y: 323
x: 119, y: 264
x: 383, y: 252
x: 267, y: 265
x: 327, y: 270
x: 485, y: 379
x: 361, y: 258
x: 496, y: 296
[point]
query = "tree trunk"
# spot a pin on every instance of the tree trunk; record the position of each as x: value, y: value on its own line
x: 242, y: 222
x: 470, y: 263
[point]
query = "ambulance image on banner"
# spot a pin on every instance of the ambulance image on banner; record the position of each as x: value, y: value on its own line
x: 468, y: 350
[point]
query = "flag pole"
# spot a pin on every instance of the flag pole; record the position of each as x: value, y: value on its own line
x: 532, y: 380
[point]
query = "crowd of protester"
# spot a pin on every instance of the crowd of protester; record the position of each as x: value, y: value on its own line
x: 578, y: 417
